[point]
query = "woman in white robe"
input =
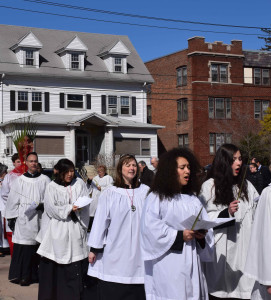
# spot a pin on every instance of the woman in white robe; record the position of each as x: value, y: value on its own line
x: 115, y: 256
x: 259, y: 254
x: 172, y: 253
x: 63, y: 237
x: 3, y: 240
x: 98, y: 184
x: 225, y: 277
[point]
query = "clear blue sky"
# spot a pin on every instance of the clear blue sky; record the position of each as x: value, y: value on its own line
x: 151, y: 42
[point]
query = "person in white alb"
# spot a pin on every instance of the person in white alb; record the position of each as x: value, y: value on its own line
x: 115, y: 257
x: 221, y: 194
x: 25, y: 191
x: 173, y: 253
x: 63, y: 247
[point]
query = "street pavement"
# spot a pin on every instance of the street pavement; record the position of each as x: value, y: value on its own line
x: 11, y: 291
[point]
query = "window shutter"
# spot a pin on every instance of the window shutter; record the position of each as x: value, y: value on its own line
x: 61, y: 100
x: 133, y: 106
x: 47, y: 101
x: 88, y: 101
x: 12, y: 100
x: 103, y: 104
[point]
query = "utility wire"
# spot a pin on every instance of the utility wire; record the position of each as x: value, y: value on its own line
x: 127, y: 23
x: 140, y: 16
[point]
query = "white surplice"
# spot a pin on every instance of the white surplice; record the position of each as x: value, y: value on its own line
x: 62, y: 239
x: 173, y: 275
x: 104, y: 182
x: 23, y: 192
x: 259, y: 255
x: 117, y: 228
x: 224, y: 275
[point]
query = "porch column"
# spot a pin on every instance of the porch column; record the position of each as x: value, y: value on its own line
x: 72, y: 144
x: 110, y: 141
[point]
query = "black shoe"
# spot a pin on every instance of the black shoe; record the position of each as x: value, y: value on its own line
x: 16, y: 281
x: 25, y: 282
x: 2, y: 255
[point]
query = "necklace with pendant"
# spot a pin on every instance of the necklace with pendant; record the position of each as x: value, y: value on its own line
x: 133, y: 208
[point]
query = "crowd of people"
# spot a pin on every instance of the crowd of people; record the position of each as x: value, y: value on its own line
x: 132, y: 238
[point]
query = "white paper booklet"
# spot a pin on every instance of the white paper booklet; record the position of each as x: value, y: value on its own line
x: 83, y: 201
x: 31, y: 211
x: 204, y: 224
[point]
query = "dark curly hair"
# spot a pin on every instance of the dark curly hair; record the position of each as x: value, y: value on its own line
x: 221, y: 172
x: 166, y: 182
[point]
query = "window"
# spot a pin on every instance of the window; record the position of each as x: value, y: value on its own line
x: 75, y: 101
x: 124, y: 105
x: 182, y: 111
x: 218, y: 139
x: 22, y: 101
x: 50, y: 145
x: 182, y: 76
x: 112, y: 105
x: 75, y: 61
x: 29, y: 57
x: 132, y: 146
x: 219, y: 72
x: 219, y: 108
x: 36, y: 101
x: 149, y: 119
x: 260, y: 107
x: 183, y: 140
x: 9, y: 146
x: 118, y: 64
x: 261, y: 76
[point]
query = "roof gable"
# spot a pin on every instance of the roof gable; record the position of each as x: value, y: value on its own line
x: 75, y: 44
x: 29, y: 41
x: 117, y: 48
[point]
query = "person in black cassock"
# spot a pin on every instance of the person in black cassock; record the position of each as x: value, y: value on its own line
x: 146, y: 175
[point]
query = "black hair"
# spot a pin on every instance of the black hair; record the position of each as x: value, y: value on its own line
x: 63, y: 166
x: 166, y: 181
x: 14, y: 157
x: 221, y: 172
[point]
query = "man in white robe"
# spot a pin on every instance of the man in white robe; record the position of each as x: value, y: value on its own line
x: 27, y: 190
x: 259, y: 255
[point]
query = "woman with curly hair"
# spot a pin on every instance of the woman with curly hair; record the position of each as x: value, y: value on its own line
x: 171, y: 252
x: 115, y: 257
x: 227, y: 194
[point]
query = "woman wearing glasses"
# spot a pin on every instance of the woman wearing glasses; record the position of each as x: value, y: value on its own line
x: 115, y: 256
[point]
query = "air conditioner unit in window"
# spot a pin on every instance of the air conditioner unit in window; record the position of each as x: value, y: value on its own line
x: 112, y: 111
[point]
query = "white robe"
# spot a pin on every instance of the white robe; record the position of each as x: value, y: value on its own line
x: 103, y: 182
x: 224, y: 275
x: 6, y: 184
x: 117, y: 228
x: 171, y: 275
x: 63, y: 240
x: 24, y: 191
x: 259, y: 255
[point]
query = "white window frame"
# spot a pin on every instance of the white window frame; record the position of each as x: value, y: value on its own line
x: 125, y: 106
x: 118, y: 63
x: 29, y: 58
x: 113, y: 109
x: 67, y: 100
x: 218, y: 139
x: 260, y: 107
x: 29, y: 101
x: 75, y: 61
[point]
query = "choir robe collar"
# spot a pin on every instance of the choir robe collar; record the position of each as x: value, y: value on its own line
x: 30, y: 175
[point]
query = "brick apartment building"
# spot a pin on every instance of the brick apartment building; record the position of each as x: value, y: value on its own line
x: 208, y: 94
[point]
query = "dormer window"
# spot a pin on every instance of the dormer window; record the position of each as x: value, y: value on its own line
x: 29, y: 57
x: 75, y: 61
x: 118, y: 64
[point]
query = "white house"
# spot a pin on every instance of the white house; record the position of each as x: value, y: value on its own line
x: 86, y: 92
